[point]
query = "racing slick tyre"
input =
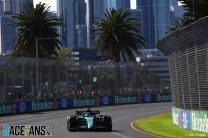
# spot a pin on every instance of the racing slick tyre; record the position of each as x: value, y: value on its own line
x: 108, y: 123
x: 71, y: 124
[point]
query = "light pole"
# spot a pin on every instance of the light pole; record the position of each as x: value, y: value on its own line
x: 36, y: 57
x: 194, y: 12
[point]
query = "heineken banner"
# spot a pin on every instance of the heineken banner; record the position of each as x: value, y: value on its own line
x: 125, y: 100
x: 42, y: 105
x: 193, y: 120
x: 199, y: 121
x: 84, y: 102
x: 164, y: 97
x: 5, y: 109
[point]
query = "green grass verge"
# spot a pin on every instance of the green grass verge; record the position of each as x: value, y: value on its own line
x: 162, y: 125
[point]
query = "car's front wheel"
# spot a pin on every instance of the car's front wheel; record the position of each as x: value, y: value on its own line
x: 71, y: 124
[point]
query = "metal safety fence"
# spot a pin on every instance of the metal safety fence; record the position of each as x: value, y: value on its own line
x: 189, y: 77
x: 187, y: 50
x: 28, y: 78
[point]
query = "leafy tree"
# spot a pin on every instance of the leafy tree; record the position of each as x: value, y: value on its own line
x: 37, y: 22
x: 118, y: 35
x: 195, y: 9
x: 65, y: 53
x: 118, y: 38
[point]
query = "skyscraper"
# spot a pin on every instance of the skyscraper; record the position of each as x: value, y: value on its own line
x: 80, y: 12
x: 125, y: 4
x: 1, y: 7
x: 138, y: 14
x: 16, y: 6
x: 156, y: 19
x: 116, y: 4
x: 7, y: 34
x: 65, y: 10
x: 99, y: 8
x: 81, y: 36
x: 90, y: 21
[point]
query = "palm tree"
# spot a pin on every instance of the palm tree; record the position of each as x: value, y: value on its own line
x: 118, y: 38
x: 195, y: 10
x: 37, y: 22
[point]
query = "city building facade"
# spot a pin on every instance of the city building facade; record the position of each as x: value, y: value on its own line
x: 66, y: 11
x: 16, y: 6
x: 116, y: 4
x: 1, y: 7
x: 81, y: 36
x: 73, y: 13
x: 7, y: 34
x: 138, y: 15
x: 157, y: 63
x: 156, y: 20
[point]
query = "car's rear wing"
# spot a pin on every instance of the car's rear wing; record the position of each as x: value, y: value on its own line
x: 92, y: 112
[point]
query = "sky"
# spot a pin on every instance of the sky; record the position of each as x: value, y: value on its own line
x: 52, y: 3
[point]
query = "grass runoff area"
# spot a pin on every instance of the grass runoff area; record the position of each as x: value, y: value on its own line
x: 161, y: 125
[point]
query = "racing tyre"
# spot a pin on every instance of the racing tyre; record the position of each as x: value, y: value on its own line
x: 71, y: 124
x: 108, y: 123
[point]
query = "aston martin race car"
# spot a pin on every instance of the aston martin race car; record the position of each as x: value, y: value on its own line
x: 89, y: 120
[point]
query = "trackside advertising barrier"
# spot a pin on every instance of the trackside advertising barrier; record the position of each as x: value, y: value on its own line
x: 20, y: 107
x: 42, y: 105
x: 193, y: 120
x: 126, y: 100
x: 6, y: 109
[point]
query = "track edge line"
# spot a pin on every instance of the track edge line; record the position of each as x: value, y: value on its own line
x: 144, y: 132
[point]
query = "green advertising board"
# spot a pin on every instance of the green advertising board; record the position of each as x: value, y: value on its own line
x: 176, y: 116
x: 5, y: 109
x: 41, y: 105
x: 83, y: 102
x: 199, y: 121
x: 125, y: 99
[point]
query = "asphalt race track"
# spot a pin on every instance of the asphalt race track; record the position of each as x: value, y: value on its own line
x: 122, y: 115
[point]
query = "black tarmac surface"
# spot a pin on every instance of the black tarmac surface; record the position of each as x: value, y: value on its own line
x: 122, y: 116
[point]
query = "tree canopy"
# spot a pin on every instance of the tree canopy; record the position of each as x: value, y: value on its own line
x: 37, y: 22
x: 118, y: 36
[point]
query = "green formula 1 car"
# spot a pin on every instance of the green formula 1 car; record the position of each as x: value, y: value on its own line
x: 89, y: 120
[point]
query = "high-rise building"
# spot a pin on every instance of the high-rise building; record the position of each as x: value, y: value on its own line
x: 80, y: 12
x: 7, y: 34
x: 1, y: 7
x: 73, y: 13
x: 65, y: 10
x: 90, y: 21
x: 138, y: 14
x: 16, y: 6
x: 99, y: 8
x: 81, y: 36
x: 116, y: 4
x: 125, y: 4
x: 156, y: 20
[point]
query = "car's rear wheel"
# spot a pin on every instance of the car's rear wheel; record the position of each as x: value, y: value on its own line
x: 108, y: 123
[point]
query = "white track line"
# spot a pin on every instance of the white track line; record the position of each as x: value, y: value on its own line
x: 120, y: 135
